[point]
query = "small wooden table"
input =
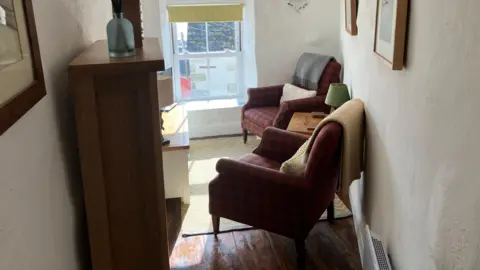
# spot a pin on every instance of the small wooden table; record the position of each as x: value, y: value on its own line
x: 304, y: 123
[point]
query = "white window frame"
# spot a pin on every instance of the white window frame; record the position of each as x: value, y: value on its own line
x: 238, y: 54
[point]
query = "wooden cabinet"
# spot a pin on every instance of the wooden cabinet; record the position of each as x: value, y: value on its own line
x: 117, y: 118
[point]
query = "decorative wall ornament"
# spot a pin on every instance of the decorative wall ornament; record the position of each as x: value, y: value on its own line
x: 298, y: 5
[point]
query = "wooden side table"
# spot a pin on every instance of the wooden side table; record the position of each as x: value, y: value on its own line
x: 304, y: 123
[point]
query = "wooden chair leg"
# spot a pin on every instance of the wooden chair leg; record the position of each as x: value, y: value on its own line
x: 301, y: 253
x: 331, y: 213
x: 245, y: 135
x: 216, y: 225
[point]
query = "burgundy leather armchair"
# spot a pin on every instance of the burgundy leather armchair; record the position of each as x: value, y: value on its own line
x: 253, y: 191
x: 263, y: 108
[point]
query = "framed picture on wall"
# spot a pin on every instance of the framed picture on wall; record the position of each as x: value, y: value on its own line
x: 351, y: 17
x: 21, y: 76
x: 390, y: 31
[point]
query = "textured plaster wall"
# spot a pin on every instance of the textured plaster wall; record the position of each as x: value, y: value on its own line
x: 41, y: 223
x: 422, y: 171
x: 282, y: 35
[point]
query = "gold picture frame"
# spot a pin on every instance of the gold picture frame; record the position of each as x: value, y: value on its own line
x: 351, y: 7
x: 391, y: 32
x: 22, y: 82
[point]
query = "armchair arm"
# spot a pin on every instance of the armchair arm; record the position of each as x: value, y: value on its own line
x: 278, y: 144
x: 256, y: 176
x: 259, y: 194
x: 268, y: 96
x: 288, y: 108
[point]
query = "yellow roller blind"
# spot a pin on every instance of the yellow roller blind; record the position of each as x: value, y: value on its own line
x: 213, y: 13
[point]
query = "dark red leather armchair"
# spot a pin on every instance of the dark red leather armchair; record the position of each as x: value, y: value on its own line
x: 253, y: 191
x: 263, y: 108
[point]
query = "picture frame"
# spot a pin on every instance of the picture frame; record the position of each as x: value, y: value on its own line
x: 351, y: 7
x: 22, y: 80
x: 391, y: 31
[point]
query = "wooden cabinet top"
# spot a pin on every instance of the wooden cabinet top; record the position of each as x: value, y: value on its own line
x: 96, y: 59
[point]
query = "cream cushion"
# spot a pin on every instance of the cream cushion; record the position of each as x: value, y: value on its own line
x: 296, y: 164
x: 292, y: 92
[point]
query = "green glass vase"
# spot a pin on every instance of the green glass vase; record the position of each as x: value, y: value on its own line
x: 121, y: 41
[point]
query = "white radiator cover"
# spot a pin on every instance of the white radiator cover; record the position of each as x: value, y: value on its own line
x: 378, y: 252
x: 370, y: 256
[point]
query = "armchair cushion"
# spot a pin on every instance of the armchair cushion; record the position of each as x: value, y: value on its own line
x: 257, y: 119
x: 292, y: 92
x: 296, y: 164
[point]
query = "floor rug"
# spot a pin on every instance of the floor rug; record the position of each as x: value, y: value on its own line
x: 204, y: 155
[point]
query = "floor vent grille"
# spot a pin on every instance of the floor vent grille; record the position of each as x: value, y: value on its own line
x: 379, y: 253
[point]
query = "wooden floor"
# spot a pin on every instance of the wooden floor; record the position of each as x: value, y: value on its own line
x: 328, y: 247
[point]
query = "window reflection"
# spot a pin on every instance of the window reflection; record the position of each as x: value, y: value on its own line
x: 10, y: 48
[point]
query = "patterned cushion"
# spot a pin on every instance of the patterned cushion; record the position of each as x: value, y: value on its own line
x: 263, y: 116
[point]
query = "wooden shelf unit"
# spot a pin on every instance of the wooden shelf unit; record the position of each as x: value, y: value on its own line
x: 117, y: 119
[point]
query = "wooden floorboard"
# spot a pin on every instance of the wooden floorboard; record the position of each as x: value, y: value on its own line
x: 328, y: 247
x: 220, y: 253
x: 254, y: 250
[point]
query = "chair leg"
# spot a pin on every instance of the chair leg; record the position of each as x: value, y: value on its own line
x: 331, y: 213
x: 301, y: 253
x: 216, y: 225
x: 245, y: 135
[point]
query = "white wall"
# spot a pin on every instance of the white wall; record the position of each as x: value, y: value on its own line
x: 248, y: 46
x: 282, y: 35
x: 41, y: 223
x: 214, y: 118
x: 152, y: 18
x: 422, y: 175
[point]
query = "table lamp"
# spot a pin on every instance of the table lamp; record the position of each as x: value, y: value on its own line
x: 337, y: 95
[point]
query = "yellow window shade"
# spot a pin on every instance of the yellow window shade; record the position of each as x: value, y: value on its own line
x: 213, y: 13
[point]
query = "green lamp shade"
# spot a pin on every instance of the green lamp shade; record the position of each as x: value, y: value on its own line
x: 337, y: 95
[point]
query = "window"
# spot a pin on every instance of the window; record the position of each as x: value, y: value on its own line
x: 207, y: 60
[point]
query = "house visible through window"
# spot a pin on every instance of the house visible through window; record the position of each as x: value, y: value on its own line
x: 207, y: 60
